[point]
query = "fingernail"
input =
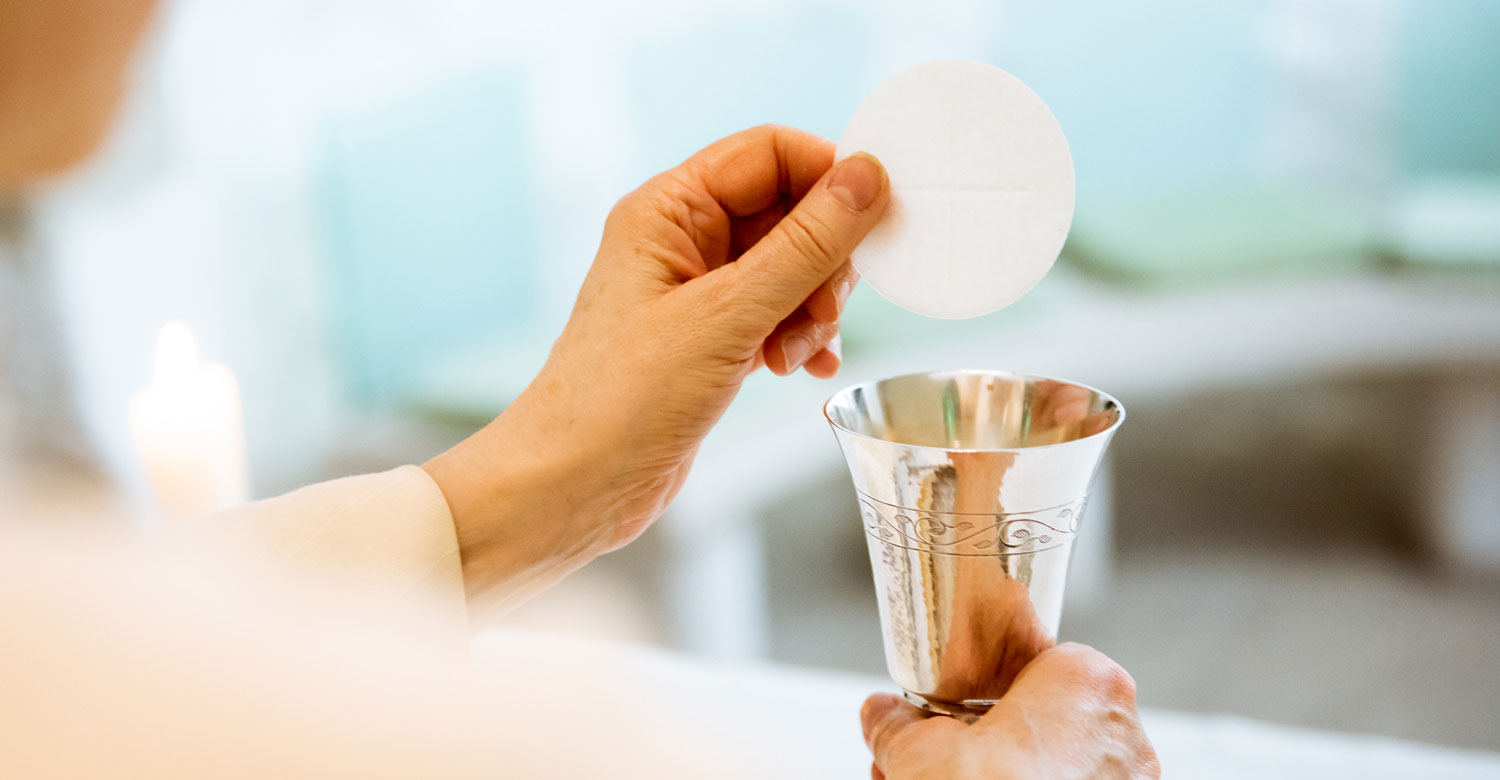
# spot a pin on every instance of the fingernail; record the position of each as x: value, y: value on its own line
x: 795, y: 350
x: 836, y: 346
x: 856, y: 181
x: 841, y: 294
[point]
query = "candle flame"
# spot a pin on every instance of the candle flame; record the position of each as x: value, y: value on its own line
x: 176, y: 354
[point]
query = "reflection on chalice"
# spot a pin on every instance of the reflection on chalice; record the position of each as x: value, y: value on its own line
x: 971, y: 487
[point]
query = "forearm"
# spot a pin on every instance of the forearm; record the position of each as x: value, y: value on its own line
x: 525, y: 503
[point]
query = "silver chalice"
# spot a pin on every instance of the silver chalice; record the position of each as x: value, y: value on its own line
x: 971, y: 488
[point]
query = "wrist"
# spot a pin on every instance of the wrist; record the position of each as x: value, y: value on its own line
x: 523, y: 506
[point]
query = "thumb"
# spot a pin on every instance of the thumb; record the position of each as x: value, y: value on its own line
x: 809, y: 244
x: 886, y: 719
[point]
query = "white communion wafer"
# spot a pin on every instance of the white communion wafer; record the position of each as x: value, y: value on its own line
x: 981, y: 188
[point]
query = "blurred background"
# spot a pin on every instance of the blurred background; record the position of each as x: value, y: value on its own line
x: 1285, y: 262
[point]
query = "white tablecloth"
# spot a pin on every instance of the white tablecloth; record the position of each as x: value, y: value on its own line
x: 808, y: 720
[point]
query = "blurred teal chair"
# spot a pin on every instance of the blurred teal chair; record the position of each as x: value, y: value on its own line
x: 429, y: 218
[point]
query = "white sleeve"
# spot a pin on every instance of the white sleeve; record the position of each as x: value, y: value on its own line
x: 390, y: 534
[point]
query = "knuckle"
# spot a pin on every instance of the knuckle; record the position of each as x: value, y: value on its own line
x: 1120, y: 716
x: 657, y: 193
x: 619, y: 208
x: 810, y: 237
x: 1079, y: 658
x: 625, y: 208
x: 1098, y: 669
x: 1117, y: 683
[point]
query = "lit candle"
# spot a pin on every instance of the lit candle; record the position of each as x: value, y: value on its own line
x: 189, y: 429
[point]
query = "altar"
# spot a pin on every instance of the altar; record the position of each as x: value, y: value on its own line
x: 804, y: 723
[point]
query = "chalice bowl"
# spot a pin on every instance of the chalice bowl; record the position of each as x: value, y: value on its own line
x: 971, y: 488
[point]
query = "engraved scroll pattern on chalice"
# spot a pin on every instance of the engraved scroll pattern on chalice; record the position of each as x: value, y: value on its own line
x: 952, y: 533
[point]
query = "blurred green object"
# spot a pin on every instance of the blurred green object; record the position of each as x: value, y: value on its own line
x: 1451, y: 222
x: 1189, y: 237
x: 430, y: 222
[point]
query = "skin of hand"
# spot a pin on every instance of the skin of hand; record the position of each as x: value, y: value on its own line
x: 734, y: 259
x: 62, y: 72
x: 1070, y: 715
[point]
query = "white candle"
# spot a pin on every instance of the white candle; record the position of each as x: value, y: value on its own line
x: 189, y: 429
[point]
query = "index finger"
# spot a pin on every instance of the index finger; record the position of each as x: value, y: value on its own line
x: 749, y: 171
